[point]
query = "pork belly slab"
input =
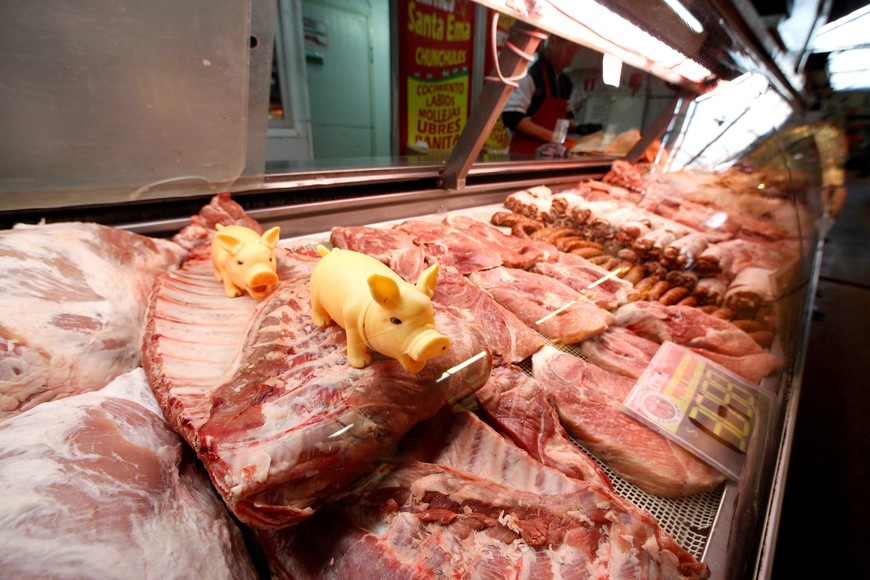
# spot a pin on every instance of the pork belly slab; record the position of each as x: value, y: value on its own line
x: 550, y: 307
x: 475, y: 506
x: 72, y: 300
x: 267, y: 399
x: 98, y: 485
x: 589, y: 401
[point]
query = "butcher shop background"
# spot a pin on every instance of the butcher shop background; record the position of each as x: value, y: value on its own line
x: 435, y: 47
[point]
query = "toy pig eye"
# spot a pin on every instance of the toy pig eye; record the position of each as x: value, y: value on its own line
x: 239, y: 262
x: 395, y: 320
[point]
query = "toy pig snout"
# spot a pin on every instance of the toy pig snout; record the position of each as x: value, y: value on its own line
x: 428, y: 343
x: 261, y: 279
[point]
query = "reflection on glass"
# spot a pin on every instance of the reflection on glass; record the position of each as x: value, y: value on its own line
x: 276, y: 102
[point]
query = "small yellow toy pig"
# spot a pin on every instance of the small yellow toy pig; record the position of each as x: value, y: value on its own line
x: 376, y: 308
x: 244, y: 260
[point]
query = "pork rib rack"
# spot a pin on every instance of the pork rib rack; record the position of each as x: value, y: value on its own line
x: 268, y: 401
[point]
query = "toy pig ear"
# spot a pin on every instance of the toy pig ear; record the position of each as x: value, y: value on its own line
x: 270, y: 237
x: 428, y: 280
x: 384, y: 290
x: 228, y: 242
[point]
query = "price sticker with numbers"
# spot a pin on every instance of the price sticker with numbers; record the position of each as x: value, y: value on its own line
x: 699, y: 404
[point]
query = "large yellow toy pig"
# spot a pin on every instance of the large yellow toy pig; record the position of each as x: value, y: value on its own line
x: 377, y: 309
x: 244, y: 260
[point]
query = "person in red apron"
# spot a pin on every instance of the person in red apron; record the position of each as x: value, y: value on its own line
x: 541, y: 99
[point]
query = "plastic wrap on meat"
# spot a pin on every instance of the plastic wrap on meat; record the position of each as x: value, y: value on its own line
x: 268, y: 401
x: 522, y: 411
x: 589, y: 401
x: 544, y: 304
x: 72, y: 301
x: 476, y: 506
x: 103, y: 488
x: 507, y: 336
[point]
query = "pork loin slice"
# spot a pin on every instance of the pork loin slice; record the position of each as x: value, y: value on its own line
x: 515, y: 403
x: 687, y: 326
x: 507, y: 336
x: 268, y: 401
x: 104, y: 488
x: 546, y: 305
x: 515, y: 252
x: 620, y: 351
x: 579, y: 273
x: 72, y: 300
x: 589, y: 401
x: 449, y: 246
x: 481, y: 508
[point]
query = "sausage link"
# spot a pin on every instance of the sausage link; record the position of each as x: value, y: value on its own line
x: 658, y: 290
x: 688, y: 301
x: 749, y: 326
x: 764, y: 338
x: 674, y: 295
x: 636, y: 274
x: 587, y: 252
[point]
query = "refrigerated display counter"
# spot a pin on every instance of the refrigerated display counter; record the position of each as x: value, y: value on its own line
x: 717, y: 204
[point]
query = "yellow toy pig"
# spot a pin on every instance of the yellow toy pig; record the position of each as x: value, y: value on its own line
x: 244, y: 260
x: 376, y: 308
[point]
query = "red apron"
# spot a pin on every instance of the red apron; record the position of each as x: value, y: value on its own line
x: 548, y: 114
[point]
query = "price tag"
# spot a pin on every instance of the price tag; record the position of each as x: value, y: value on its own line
x: 699, y: 404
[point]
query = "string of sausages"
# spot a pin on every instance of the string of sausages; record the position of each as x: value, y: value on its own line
x: 670, y: 266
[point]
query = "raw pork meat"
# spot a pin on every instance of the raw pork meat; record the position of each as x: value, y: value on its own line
x: 515, y: 252
x: 268, y: 401
x: 589, y: 401
x: 99, y: 486
x: 579, y: 274
x: 506, y: 335
x: 555, y: 310
x: 687, y: 326
x: 620, y: 351
x: 196, y: 236
x: 451, y: 247
x: 72, y: 302
x: 478, y: 507
x: 393, y: 247
x: 521, y: 410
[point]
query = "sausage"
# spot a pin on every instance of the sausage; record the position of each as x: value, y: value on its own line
x: 571, y: 243
x: 723, y: 313
x: 749, y: 326
x: 601, y: 260
x: 526, y: 228
x: 588, y: 252
x: 673, y: 295
x: 550, y: 234
x: 636, y: 274
x: 658, y: 290
x: 688, y: 301
x: 643, y: 287
x: 764, y: 338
